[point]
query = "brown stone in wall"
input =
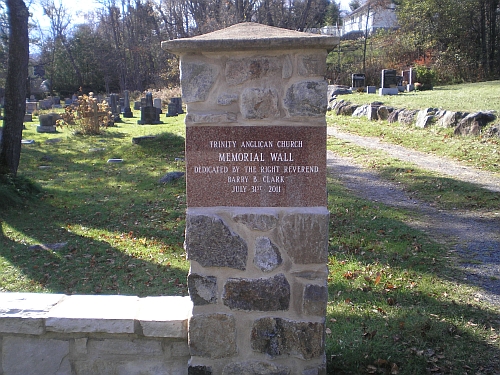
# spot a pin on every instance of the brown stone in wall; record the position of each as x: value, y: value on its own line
x: 258, y: 103
x: 279, y: 337
x: 271, y: 294
x: 210, y: 242
x: 305, y: 237
x: 315, y: 300
x: 212, y: 335
x: 240, y: 70
x: 311, y: 64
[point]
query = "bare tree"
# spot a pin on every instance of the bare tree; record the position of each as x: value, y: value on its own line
x: 15, y: 87
x: 60, y: 19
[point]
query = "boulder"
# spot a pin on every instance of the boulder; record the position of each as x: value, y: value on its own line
x: 394, y: 115
x: 334, y: 90
x: 407, y: 116
x: 473, y: 123
x: 383, y: 112
x: 425, y: 117
x: 492, y: 131
x: 361, y: 111
x: 449, y: 119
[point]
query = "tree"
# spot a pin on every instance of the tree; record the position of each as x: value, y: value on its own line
x: 15, y: 87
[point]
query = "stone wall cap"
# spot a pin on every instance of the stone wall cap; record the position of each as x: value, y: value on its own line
x: 251, y: 36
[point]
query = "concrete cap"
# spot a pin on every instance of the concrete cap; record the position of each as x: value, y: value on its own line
x: 251, y: 36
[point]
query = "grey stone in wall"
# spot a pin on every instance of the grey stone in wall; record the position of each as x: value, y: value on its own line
x: 305, y: 237
x: 287, y: 71
x: 255, y: 368
x: 320, y: 370
x: 197, y: 79
x: 258, y: 222
x: 210, y: 242
x: 311, y: 65
x: 307, y: 98
x: 315, y: 300
x: 267, y: 256
x: 146, y: 366
x: 259, y: 103
x: 312, y: 275
x: 212, y: 335
x: 211, y: 118
x: 202, y: 289
x: 279, y: 337
x: 241, y: 70
x: 227, y: 99
x: 32, y: 356
x: 271, y: 294
x: 199, y: 370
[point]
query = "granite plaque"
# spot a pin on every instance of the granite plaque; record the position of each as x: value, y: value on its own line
x: 256, y: 166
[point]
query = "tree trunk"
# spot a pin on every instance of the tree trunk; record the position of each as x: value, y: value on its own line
x: 365, y: 42
x: 15, y: 87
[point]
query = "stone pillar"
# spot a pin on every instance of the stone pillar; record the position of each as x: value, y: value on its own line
x: 257, y: 221
x: 127, y: 112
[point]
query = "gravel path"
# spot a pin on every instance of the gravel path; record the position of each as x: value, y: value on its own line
x: 474, y: 237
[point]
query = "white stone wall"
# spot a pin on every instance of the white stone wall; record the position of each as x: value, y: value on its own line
x: 55, y: 334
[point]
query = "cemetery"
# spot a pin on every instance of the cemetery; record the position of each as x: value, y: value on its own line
x: 255, y: 295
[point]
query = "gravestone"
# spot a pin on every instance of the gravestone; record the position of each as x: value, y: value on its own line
x: 410, y: 77
x: 31, y: 107
x: 257, y: 221
x: 174, y: 107
x: 358, y: 80
x: 127, y: 112
x: 149, y: 114
x: 178, y: 104
x: 56, y: 102
x: 48, y: 123
x: 157, y: 105
x: 114, y: 105
x: 389, y: 85
x: 137, y: 105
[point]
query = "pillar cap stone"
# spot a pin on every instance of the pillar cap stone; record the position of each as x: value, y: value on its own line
x: 249, y: 36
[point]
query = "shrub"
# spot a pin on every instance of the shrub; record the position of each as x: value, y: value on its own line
x: 427, y: 77
x: 88, y: 115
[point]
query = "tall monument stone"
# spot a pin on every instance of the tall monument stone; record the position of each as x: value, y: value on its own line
x: 257, y: 221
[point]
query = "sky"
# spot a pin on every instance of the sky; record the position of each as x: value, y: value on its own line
x: 81, y: 6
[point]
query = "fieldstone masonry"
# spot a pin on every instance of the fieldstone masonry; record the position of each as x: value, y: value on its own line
x: 257, y: 222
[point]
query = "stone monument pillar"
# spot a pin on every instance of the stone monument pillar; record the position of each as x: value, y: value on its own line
x: 127, y: 112
x: 257, y: 221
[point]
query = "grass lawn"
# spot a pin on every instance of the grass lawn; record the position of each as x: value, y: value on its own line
x: 467, y: 97
x: 397, y: 304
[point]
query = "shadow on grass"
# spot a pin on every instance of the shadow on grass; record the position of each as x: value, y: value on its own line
x: 123, y: 229
x: 444, y: 191
x: 84, y: 265
x: 396, y: 305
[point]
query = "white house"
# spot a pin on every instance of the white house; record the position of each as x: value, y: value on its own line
x: 379, y: 17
